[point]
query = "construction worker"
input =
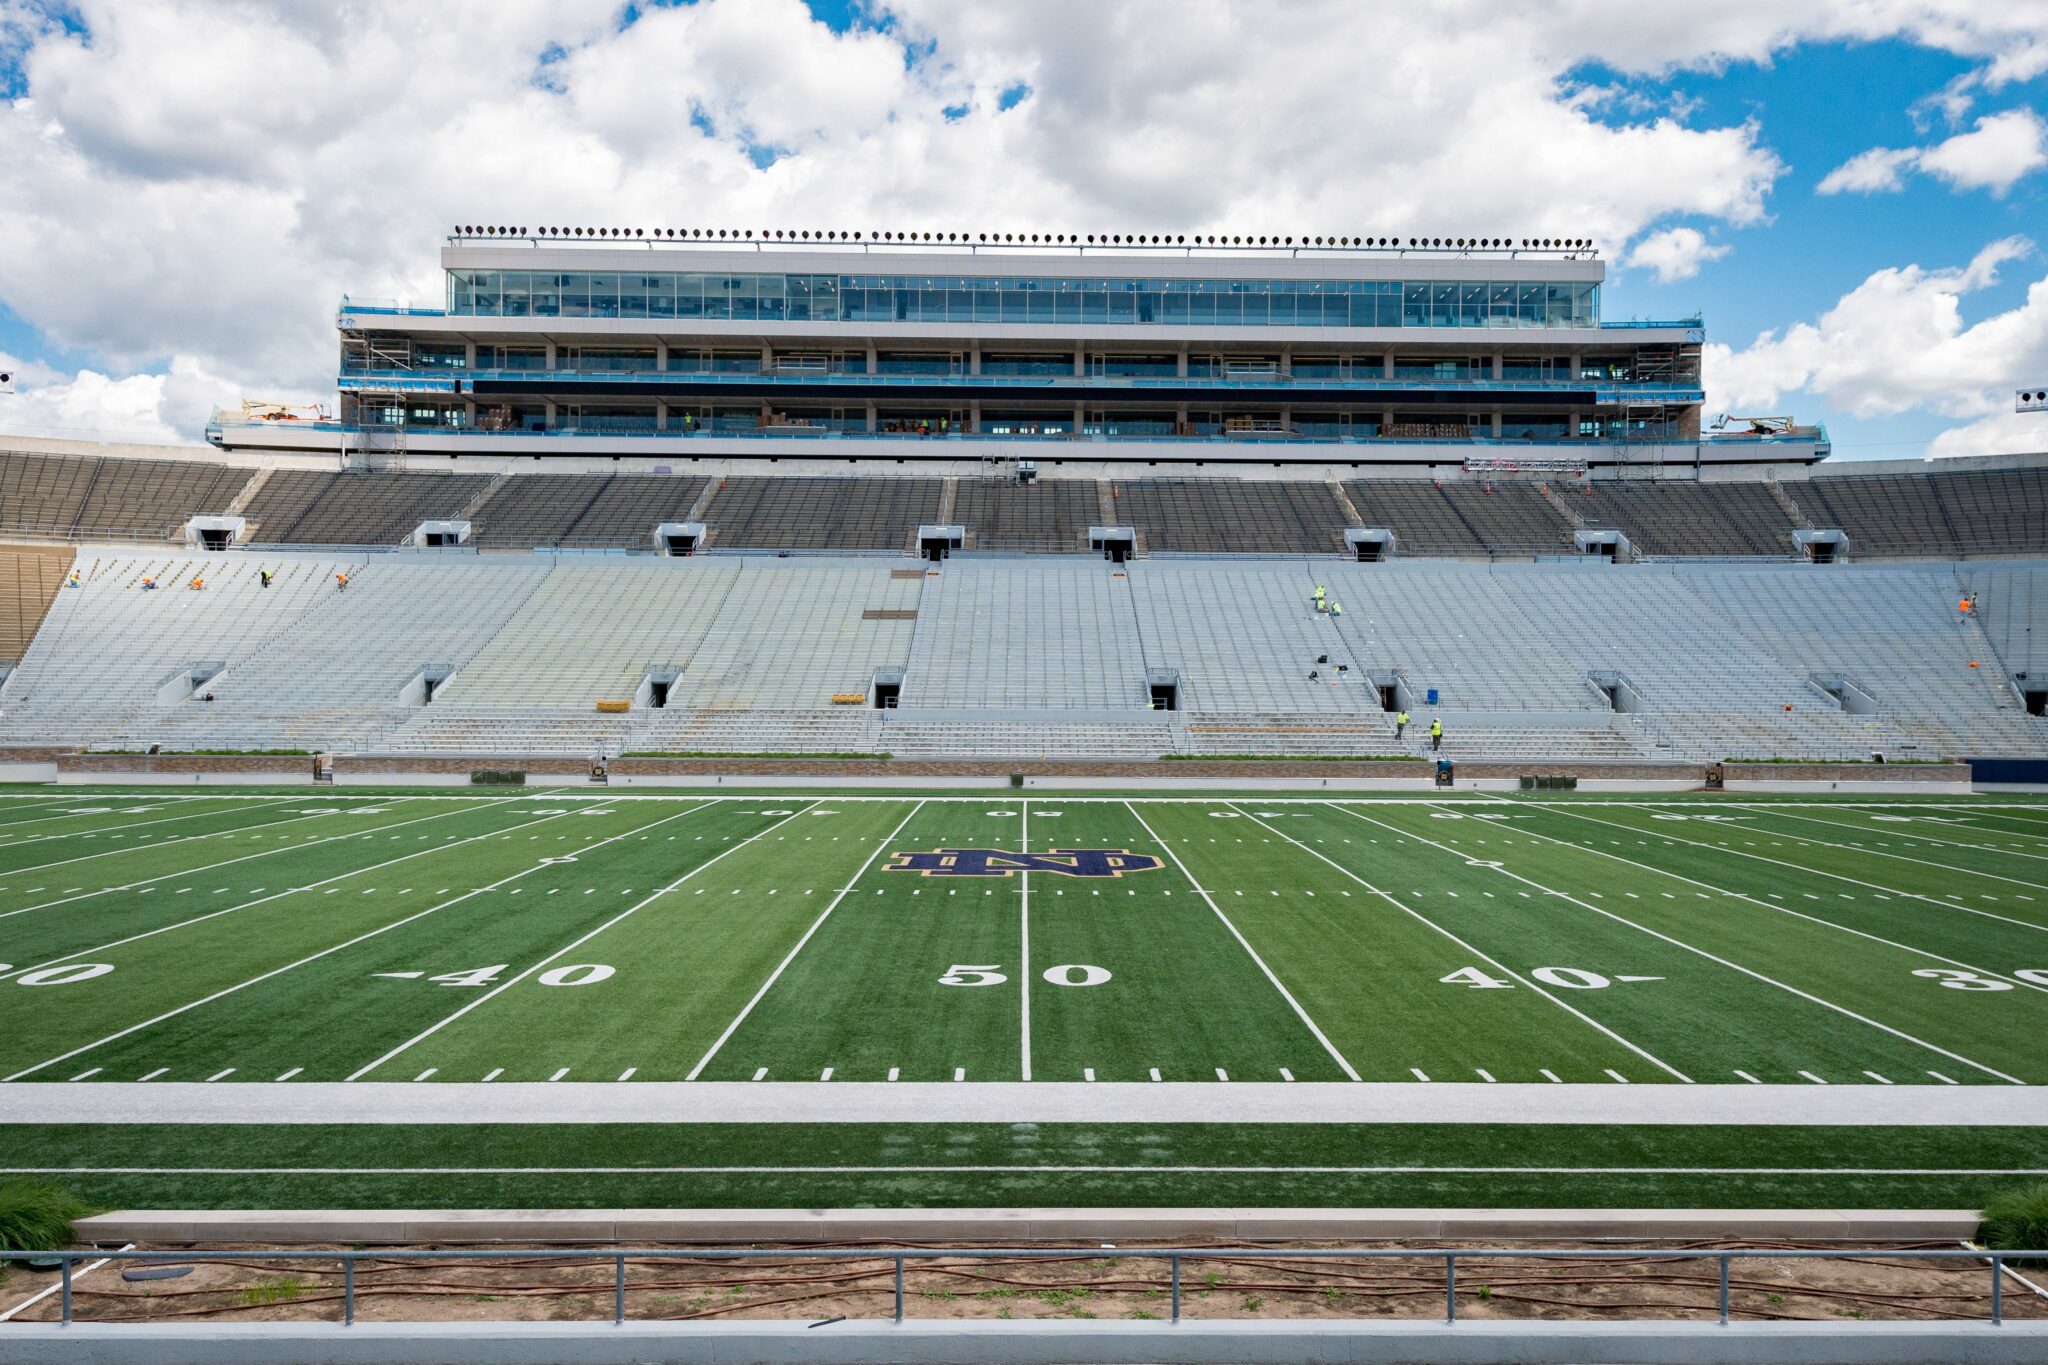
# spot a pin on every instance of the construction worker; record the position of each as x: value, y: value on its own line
x: 149, y: 585
x: 341, y: 582
x: 1336, y: 608
x: 1436, y: 735
x: 197, y: 585
x: 263, y: 575
x: 72, y: 582
x: 1400, y: 724
x: 1319, y: 597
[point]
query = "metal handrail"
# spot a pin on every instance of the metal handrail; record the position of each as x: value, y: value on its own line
x: 901, y: 1256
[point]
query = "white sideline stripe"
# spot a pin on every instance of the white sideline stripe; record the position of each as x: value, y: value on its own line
x: 627, y: 913
x: 1747, y: 1077
x: 1494, y: 962
x: 1780, y: 909
x: 627, y: 1074
x: 327, y: 952
x: 289, y: 1074
x: 1904, y: 858
x: 1842, y: 1010
x: 1810, y: 871
x: 275, y: 895
x: 493, y: 1074
x: 1285, y: 994
x: 45, y: 1292
x: 243, y: 858
x: 790, y: 957
x: 1062, y: 1169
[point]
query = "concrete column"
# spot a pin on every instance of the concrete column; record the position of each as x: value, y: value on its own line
x: 870, y: 407
x: 1286, y: 361
x: 1496, y: 411
x: 1180, y: 362
x: 661, y: 412
x: 871, y: 361
x: 549, y: 409
x: 661, y: 355
x: 1080, y: 417
x: 974, y: 358
x: 551, y: 355
x: 1080, y: 360
x: 1387, y: 365
x: 469, y: 355
x: 1497, y: 364
x: 974, y: 411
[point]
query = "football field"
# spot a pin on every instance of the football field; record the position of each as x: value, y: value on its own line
x: 248, y: 939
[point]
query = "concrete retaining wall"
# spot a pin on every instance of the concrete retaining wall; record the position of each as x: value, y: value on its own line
x: 1080, y: 1343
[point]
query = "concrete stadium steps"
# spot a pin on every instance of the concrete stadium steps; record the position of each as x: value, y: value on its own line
x: 1459, y: 629
x: 1281, y: 734
x: 1050, y: 734
x: 1027, y: 634
x: 307, y: 507
x: 618, y: 510
x: 1462, y: 517
x: 841, y: 730
x: 511, y: 732
x: 796, y: 633
x: 1245, y: 638
x: 2012, y: 611
x: 31, y: 576
x: 799, y: 513
x: 589, y: 632
x: 1232, y: 515
x: 1048, y: 516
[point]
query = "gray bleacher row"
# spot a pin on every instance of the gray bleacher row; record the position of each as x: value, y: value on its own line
x: 61, y: 495
x: 1028, y: 656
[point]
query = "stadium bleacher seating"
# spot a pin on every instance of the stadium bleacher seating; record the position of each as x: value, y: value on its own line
x: 304, y: 507
x: 1687, y: 519
x: 799, y: 513
x: 1234, y: 516
x: 1462, y: 518
x: 64, y: 495
x: 582, y: 509
x: 1049, y: 516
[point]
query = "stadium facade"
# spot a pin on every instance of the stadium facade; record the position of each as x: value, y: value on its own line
x: 777, y: 345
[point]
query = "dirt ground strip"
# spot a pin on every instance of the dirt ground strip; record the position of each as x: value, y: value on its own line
x: 1219, y: 1283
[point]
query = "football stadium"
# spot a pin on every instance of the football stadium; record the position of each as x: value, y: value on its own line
x: 887, y: 745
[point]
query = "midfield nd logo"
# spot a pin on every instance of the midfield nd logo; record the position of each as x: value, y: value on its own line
x: 994, y: 862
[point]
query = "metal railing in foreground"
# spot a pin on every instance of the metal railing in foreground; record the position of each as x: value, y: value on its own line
x: 898, y: 1259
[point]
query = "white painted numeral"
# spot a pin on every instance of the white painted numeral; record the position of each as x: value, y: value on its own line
x: 2036, y: 975
x: 65, y: 975
x: 1957, y: 980
x: 480, y: 976
x: 1571, y: 978
x: 1066, y: 975
x: 1477, y: 979
x: 962, y: 975
x: 583, y: 974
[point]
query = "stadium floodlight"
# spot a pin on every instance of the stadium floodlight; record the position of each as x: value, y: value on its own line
x: 6, y: 382
x: 2031, y: 400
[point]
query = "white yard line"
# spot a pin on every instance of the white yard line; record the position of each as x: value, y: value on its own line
x: 1285, y: 994
x: 1887, y: 853
x: 44, y: 1293
x: 115, y: 829
x: 568, y: 948
x: 280, y: 895
x: 1495, y: 963
x: 790, y: 957
x: 1024, y: 940
x: 329, y: 952
x: 1781, y: 909
x: 1563, y: 809
x: 1808, y: 996
x: 242, y: 858
x: 1893, y: 832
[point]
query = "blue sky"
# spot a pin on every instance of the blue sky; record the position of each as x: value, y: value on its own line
x: 187, y: 185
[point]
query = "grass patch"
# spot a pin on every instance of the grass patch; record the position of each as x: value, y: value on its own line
x: 281, y: 1290
x: 35, y: 1216
x: 2017, y: 1221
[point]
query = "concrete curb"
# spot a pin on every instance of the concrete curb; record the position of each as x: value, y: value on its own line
x: 1078, y: 1343
x: 397, y: 1227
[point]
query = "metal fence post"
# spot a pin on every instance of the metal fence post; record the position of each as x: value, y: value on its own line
x: 1997, y: 1291
x: 619, y: 1293
x: 67, y: 1290
x: 1450, y: 1288
x: 348, y: 1289
x: 1176, y: 1288
x: 899, y: 1287
x: 1724, y: 1291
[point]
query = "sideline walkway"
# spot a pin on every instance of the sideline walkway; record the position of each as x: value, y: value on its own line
x: 1022, y: 1102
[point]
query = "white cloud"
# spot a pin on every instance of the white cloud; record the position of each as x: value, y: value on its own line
x: 89, y: 405
x: 1675, y: 253
x: 2005, y: 433
x: 1898, y: 343
x: 1994, y: 156
x: 1881, y: 170
x: 191, y: 185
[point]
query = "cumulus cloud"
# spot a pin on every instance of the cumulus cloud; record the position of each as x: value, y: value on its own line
x: 1994, y: 155
x: 1896, y: 343
x: 164, y: 408
x: 188, y: 186
x: 1675, y: 253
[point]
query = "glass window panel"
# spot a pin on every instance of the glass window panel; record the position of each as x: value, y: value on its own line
x: 741, y: 298
x: 516, y: 294
x: 1415, y: 305
x: 632, y: 296
x: 1529, y: 305
x: 1443, y: 305
x: 1472, y: 305
x: 574, y: 295
x: 1560, y: 310
x: 604, y: 295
